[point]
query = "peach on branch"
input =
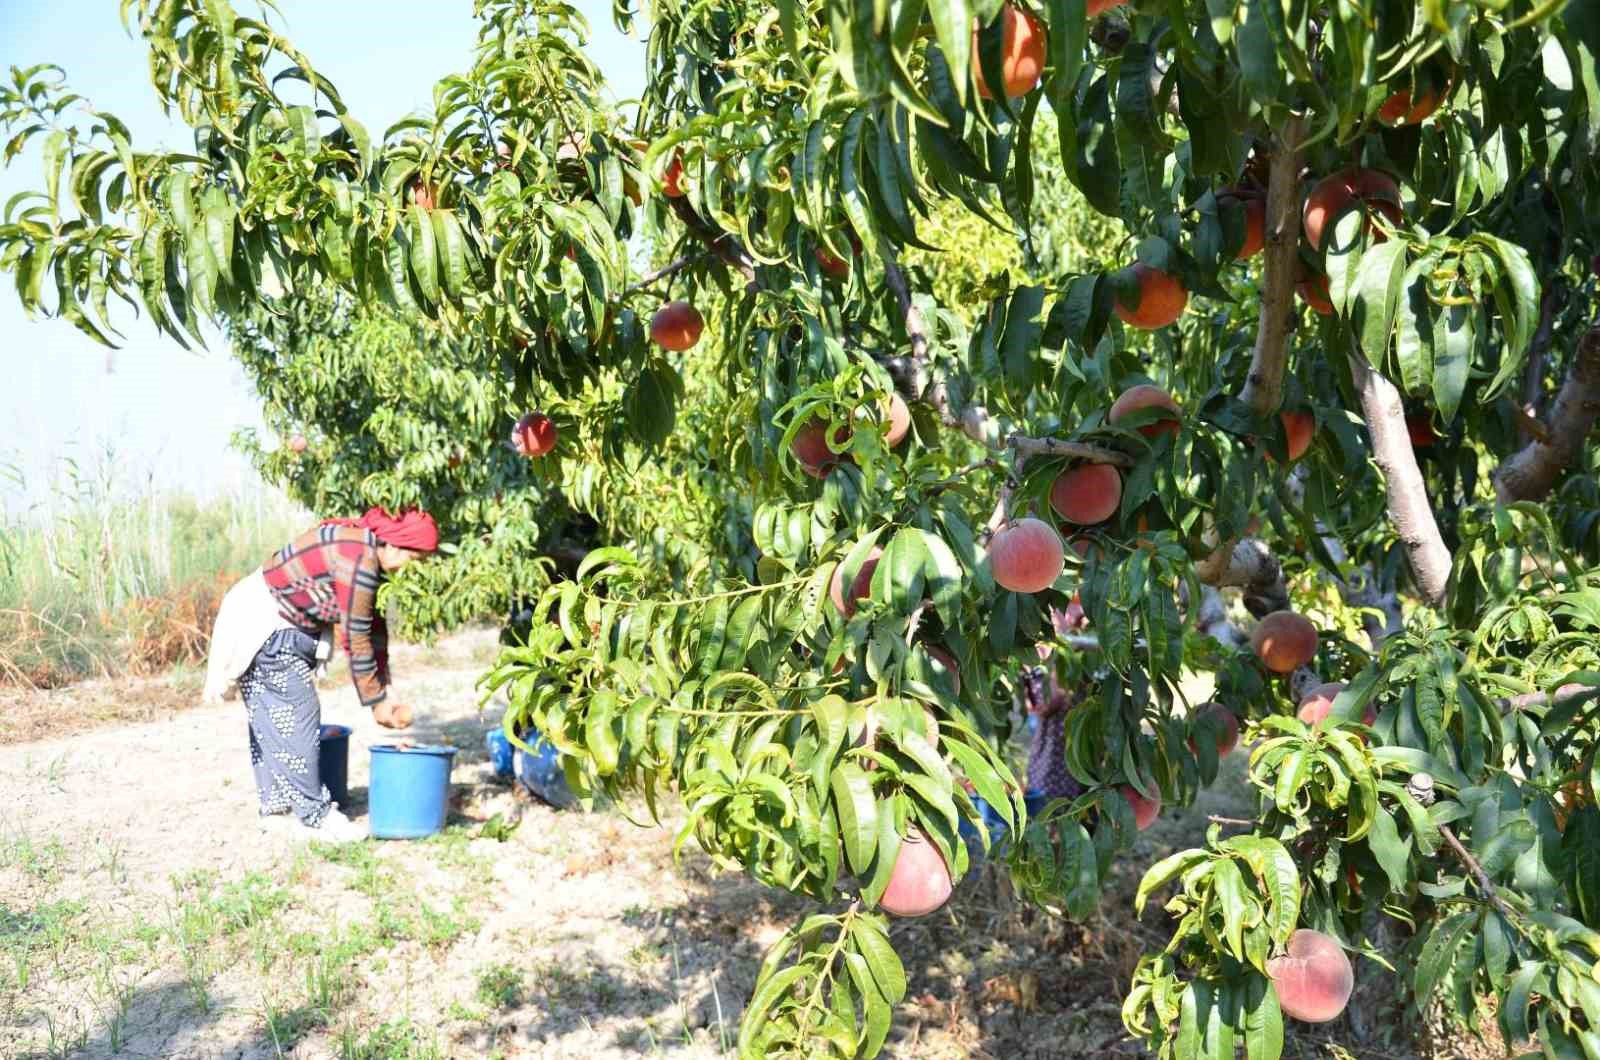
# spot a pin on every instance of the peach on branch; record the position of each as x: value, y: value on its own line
x: 534, y: 434
x: 1145, y: 396
x: 1399, y: 110
x: 1227, y: 727
x: 1315, y: 291
x: 676, y: 326
x: 1284, y: 641
x: 1299, y: 427
x: 1145, y: 810
x: 1318, y: 704
x: 1420, y: 430
x: 1350, y: 189
x: 1026, y: 556
x: 810, y: 447
x: 298, y: 444
x: 1314, y: 979
x: 1255, y: 221
x: 860, y: 585
x: 1087, y: 494
x: 672, y: 178
x: 1022, y: 41
x: 1162, y: 298
x: 920, y: 881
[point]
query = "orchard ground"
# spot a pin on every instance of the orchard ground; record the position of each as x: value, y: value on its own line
x: 144, y: 914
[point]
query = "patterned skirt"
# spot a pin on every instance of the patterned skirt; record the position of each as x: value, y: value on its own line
x: 285, y: 716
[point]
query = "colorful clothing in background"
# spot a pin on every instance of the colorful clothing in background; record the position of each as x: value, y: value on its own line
x: 328, y: 577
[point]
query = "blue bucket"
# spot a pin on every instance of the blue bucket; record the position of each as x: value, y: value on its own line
x: 410, y: 791
x: 994, y: 823
x: 500, y: 752
x: 541, y: 771
x: 333, y: 762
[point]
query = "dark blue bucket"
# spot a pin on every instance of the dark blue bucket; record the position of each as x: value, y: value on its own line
x: 410, y: 793
x: 541, y: 771
x: 995, y: 824
x: 500, y: 752
x: 333, y: 762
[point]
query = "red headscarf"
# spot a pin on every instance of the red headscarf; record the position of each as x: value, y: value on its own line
x: 414, y: 530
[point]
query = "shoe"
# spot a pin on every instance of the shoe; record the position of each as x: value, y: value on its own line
x: 337, y: 828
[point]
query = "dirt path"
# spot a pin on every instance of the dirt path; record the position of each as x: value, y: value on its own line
x: 144, y: 914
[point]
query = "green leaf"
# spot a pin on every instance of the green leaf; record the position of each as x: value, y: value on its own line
x: 872, y: 942
x: 857, y: 810
x: 1263, y: 1025
x: 1392, y: 852
x: 1377, y: 294
x: 1164, y: 872
x: 952, y: 26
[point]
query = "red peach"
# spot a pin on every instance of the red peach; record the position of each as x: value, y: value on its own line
x: 1284, y: 641
x: 1026, y: 556
x: 1022, y: 49
x: 1087, y: 494
x: 676, y: 326
x: 1145, y: 810
x: 1145, y: 396
x: 920, y: 881
x: 1161, y: 300
x: 860, y: 586
x: 534, y: 434
x: 1314, y: 980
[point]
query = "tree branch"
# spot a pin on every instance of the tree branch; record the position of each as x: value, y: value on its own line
x: 973, y: 421
x: 722, y: 244
x: 663, y: 272
x: 1251, y: 566
x: 1263, y: 389
x: 1531, y: 472
x: 1026, y: 447
x: 1485, y: 884
x: 1409, y: 510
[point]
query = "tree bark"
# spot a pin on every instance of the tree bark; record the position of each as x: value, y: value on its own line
x: 973, y: 421
x: 1263, y: 389
x: 1252, y: 567
x: 1095, y: 454
x: 1531, y: 472
x: 721, y: 243
x: 1409, y: 509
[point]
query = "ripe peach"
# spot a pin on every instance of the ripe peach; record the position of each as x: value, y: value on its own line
x: 1087, y: 494
x: 1145, y: 810
x: 1284, y: 641
x: 1146, y: 396
x: 298, y: 444
x: 899, y: 417
x: 676, y: 326
x: 534, y: 434
x: 860, y: 587
x: 1299, y: 426
x: 1228, y: 738
x: 1084, y: 547
x: 1318, y: 703
x: 832, y: 264
x: 1420, y: 430
x: 1314, y: 980
x: 1314, y: 291
x: 1398, y: 108
x: 422, y: 195
x: 810, y: 447
x: 1021, y: 49
x: 1346, y: 190
x: 920, y: 881
x: 1255, y: 222
x: 1026, y: 556
x: 1100, y: 7
x: 672, y: 178
x: 1161, y: 300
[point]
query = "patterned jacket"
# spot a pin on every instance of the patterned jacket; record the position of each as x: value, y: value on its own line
x: 329, y: 577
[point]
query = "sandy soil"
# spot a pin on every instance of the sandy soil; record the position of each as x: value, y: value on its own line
x: 143, y: 913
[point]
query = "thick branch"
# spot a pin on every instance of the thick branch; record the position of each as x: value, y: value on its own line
x: 1409, y: 510
x: 1263, y: 390
x: 723, y: 244
x: 1026, y: 447
x: 1530, y: 473
x: 972, y: 421
x: 1251, y: 566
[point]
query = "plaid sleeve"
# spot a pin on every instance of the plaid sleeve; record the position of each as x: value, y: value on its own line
x: 364, y: 638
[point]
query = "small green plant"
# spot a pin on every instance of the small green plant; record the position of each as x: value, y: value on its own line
x: 500, y: 986
x: 399, y: 1040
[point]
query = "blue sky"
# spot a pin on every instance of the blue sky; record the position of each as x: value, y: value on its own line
x: 158, y: 408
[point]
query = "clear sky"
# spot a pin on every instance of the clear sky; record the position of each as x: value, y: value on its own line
x: 156, y: 407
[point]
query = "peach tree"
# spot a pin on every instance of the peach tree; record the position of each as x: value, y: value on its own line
x: 1317, y: 426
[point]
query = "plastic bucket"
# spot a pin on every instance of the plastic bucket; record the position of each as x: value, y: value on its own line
x: 410, y: 791
x: 499, y: 752
x: 333, y: 762
x: 996, y: 824
x: 541, y: 772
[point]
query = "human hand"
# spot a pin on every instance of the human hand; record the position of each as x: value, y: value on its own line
x: 392, y: 715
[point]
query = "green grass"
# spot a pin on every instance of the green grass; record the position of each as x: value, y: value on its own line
x: 101, y: 576
x: 500, y: 986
